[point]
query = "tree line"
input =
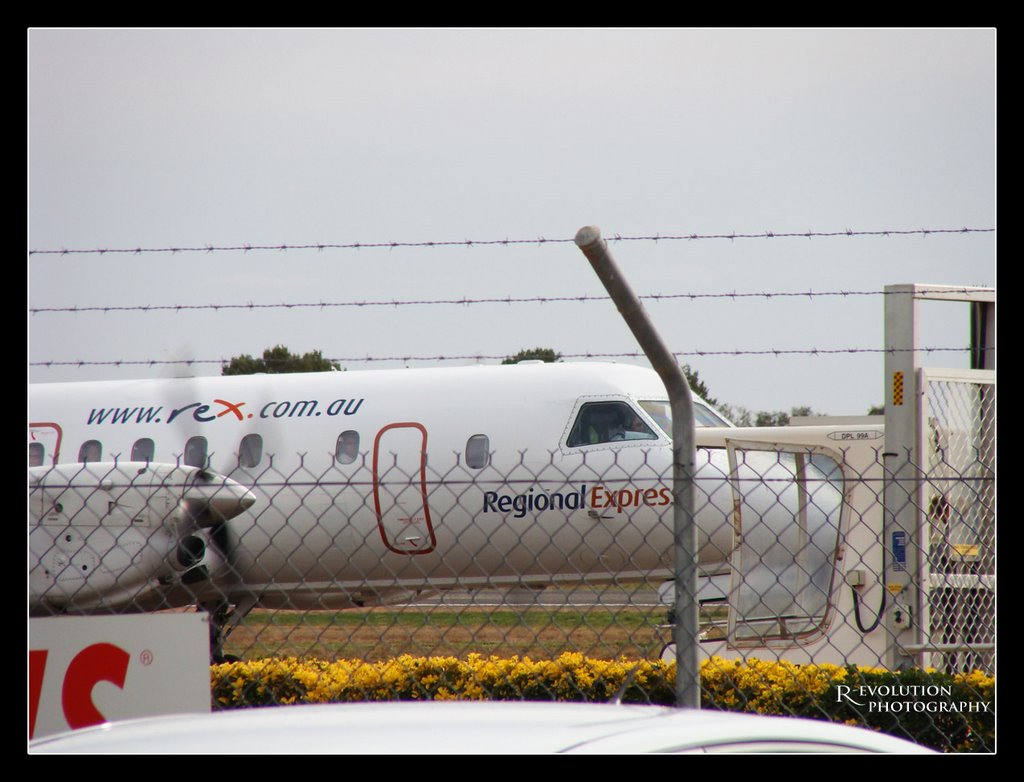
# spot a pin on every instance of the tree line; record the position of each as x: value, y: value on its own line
x: 279, y: 360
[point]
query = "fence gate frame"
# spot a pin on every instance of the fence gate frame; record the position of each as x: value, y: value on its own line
x: 906, y: 526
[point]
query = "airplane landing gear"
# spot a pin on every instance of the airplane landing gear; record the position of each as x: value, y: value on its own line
x: 222, y: 621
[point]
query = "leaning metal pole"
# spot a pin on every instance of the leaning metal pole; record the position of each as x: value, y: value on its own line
x: 684, y: 459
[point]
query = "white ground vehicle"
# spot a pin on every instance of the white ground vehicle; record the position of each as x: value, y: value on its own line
x: 453, y: 728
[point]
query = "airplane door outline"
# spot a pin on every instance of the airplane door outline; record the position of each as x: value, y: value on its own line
x: 50, y: 435
x: 401, y: 519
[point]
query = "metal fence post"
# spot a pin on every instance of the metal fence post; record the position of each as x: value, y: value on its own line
x: 684, y: 458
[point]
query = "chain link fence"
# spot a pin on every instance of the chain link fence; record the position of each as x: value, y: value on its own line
x: 390, y: 553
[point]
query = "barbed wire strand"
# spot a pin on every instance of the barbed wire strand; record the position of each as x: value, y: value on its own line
x: 466, y: 301
x: 503, y: 242
x: 480, y: 357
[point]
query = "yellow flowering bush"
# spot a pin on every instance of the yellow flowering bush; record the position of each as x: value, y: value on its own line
x: 757, y: 686
x: 571, y: 677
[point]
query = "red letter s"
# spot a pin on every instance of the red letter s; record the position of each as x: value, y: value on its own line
x: 97, y: 663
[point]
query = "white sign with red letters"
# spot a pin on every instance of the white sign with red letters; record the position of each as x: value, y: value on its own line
x: 89, y: 670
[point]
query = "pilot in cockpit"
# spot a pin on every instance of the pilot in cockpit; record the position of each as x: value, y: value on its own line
x: 629, y: 426
x: 616, y: 427
x: 604, y: 423
x: 636, y: 429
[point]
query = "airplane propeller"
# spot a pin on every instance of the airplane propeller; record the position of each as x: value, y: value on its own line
x: 210, y: 502
x: 215, y: 577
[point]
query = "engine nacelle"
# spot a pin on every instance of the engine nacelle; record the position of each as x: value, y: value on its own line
x: 111, y: 537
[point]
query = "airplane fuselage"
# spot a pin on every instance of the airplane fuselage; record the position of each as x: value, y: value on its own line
x: 376, y: 483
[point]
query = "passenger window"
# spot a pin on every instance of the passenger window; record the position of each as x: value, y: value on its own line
x: 143, y: 450
x: 477, y: 451
x: 35, y: 454
x: 346, y: 450
x: 608, y: 422
x: 91, y: 451
x: 250, y: 450
x: 195, y: 452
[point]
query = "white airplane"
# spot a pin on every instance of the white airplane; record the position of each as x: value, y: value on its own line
x: 330, y: 490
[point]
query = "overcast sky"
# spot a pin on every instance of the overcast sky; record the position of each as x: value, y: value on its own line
x: 227, y: 138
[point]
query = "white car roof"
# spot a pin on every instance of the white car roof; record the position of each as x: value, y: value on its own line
x: 469, y: 728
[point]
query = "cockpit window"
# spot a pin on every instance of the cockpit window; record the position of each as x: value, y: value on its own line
x: 608, y: 422
x: 661, y: 412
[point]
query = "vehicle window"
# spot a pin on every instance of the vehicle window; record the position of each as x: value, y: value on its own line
x: 477, y: 451
x: 143, y: 450
x: 91, y: 451
x: 784, y: 566
x: 35, y: 454
x: 250, y: 450
x: 608, y: 422
x: 195, y: 452
x: 346, y: 450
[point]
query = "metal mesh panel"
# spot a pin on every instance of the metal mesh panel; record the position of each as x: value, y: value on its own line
x: 958, y: 497
x: 568, y: 556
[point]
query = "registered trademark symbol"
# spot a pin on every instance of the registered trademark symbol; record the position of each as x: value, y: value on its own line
x: 146, y: 657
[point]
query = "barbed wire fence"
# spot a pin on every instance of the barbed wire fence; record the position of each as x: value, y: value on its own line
x: 499, y: 357
x: 546, y: 558
x: 503, y: 242
x: 467, y: 301
x: 359, y: 557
